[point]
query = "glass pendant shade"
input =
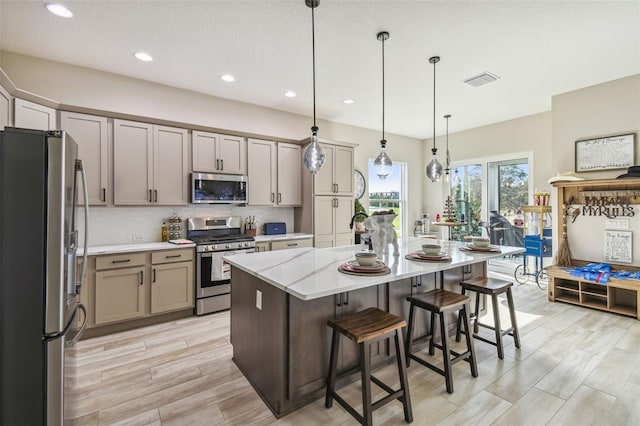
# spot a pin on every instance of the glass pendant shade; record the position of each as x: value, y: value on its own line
x: 314, y: 156
x: 456, y: 177
x: 434, y: 168
x: 382, y: 164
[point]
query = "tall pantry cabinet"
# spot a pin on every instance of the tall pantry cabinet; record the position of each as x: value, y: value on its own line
x: 327, y: 205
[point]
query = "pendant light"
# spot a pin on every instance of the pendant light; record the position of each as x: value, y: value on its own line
x: 447, y: 165
x: 314, y: 156
x: 382, y: 164
x: 434, y: 168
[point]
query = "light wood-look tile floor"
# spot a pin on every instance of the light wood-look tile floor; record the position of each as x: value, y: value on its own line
x: 577, y: 366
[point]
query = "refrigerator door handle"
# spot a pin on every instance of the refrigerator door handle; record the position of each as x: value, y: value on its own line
x: 74, y: 340
x: 80, y: 168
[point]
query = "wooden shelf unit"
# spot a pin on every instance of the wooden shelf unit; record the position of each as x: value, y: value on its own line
x: 619, y: 296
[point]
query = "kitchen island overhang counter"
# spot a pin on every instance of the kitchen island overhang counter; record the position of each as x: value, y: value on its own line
x: 310, y: 273
x: 281, y: 302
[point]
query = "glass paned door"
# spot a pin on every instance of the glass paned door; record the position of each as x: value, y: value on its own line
x: 508, y: 192
x: 466, y: 194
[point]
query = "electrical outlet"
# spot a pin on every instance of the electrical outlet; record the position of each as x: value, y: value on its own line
x: 259, y: 299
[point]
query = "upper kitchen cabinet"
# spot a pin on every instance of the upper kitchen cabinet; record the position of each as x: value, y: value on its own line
x: 214, y: 153
x: 90, y: 133
x: 150, y: 165
x: 336, y: 175
x: 289, y: 174
x: 6, y: 113
x: 274, y: 177
x: 29, y: 115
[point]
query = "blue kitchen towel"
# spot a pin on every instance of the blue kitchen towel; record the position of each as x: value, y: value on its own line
x: 601, y: 272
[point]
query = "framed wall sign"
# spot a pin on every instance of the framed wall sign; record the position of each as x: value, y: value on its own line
x: 617, y: 246
x: 612, y: 152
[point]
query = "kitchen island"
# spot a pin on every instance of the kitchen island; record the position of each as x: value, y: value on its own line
x: 281, y: 301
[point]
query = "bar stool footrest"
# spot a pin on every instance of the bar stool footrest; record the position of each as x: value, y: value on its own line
x: 505, y: 332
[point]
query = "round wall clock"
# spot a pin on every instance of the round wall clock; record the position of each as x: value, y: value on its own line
x: 359, y: 184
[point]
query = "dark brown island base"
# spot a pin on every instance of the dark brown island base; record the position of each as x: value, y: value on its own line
x: 281, y: 302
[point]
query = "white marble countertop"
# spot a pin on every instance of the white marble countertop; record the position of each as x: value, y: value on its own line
x: 310, y: 273
x: 282, y: 237
x: 133, y: 247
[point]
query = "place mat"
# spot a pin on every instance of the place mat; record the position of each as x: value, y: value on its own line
x: 349, y: 271
x: 490, y: 249
x: 411, y: 256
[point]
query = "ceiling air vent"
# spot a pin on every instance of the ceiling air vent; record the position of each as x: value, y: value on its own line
x: 481, y: 79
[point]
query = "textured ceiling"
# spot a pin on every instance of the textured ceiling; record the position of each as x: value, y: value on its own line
x: 537, y: 48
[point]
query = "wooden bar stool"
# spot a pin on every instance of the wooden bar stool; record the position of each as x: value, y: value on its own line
x: 440, y: 303
x: 364, y: 328
x: 492, y: 287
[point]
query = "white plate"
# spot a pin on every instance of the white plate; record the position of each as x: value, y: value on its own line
x: 376, y: 265
x: 422, y: 253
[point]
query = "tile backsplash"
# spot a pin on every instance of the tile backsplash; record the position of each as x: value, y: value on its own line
x: 125, y: 225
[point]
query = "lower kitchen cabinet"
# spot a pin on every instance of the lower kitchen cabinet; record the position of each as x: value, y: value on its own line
x: 119, y: 295
x: 283, y: 244
x: 132, y: 288
x: 309, y: 353
x: 171, y: 286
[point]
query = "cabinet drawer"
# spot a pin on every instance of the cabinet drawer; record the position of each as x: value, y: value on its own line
x: 281, y: 245
x: 167, y: 256
x: 112, y: 261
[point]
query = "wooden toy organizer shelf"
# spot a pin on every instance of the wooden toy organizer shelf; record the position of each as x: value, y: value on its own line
x: 619, y: 296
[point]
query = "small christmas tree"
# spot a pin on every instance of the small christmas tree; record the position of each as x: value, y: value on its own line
x: 449, y: 212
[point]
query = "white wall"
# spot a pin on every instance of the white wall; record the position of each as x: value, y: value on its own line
x: 105, y: 92
x: 610, y: 108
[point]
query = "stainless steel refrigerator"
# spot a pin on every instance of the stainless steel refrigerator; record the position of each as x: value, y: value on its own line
x: 40, y: 280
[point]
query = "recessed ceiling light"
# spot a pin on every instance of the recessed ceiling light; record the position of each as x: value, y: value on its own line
x: 143, y: 56
x: 348, y: 101
x: 227, y: 77
x: 59, y: 10
x: 290, y: 94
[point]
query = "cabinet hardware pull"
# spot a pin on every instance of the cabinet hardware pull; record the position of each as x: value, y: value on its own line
x: 104, y: 194
x: 173, y: 256
x: 337, y: 202
x: 222, y: 164
x: 217, y: 164
x: 150, y: 196
x: 279, y: 197
x: 141, y: 277
x: 337, y: 188
x: 339, y: 298
x: 347, y: 298
x: 292, y: 244
x: 155, y: 193
x: 121, y: 261
x: 154, y: 275
x: 273, y: 197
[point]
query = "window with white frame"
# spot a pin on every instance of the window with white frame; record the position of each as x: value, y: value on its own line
x: 389, y: 194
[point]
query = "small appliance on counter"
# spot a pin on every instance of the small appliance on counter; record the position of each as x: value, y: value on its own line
x: 275, y: 228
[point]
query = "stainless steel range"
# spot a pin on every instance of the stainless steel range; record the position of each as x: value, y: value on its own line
x: 216, y: 237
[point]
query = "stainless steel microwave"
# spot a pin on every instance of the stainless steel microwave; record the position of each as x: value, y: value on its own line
x: 208, y: 188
